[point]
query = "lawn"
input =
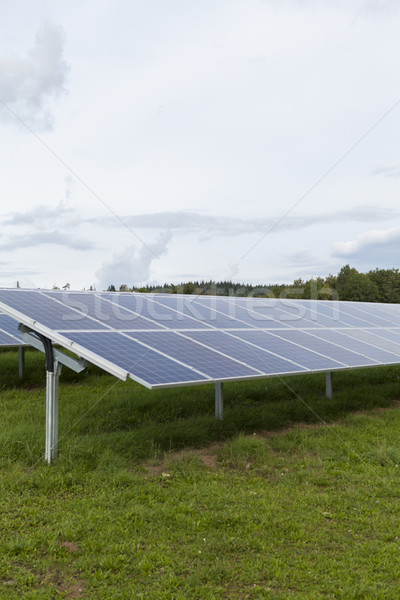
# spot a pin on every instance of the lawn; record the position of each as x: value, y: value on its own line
x: 291, y: 496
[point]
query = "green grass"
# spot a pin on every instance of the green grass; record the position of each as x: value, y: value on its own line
x: 292, y: 496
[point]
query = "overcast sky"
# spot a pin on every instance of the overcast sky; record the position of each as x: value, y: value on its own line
x: 166, y: 140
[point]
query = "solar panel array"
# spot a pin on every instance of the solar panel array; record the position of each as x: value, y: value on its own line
x: 9, y: 334
x: 164, y: 340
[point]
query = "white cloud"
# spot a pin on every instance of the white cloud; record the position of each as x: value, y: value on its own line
x: 40, y: 216
x: 365, y: 240
x: 30, y: 85
x: 387, y: 171
x: 130, y: 265
x: 55, y: 238
x: 375, y: 247
x: 210, y: 226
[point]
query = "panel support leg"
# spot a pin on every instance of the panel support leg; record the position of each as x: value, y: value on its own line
x: 52, y: 381
x: 53, y: 370
x: 21, y: 362
x: 328, y: 384
x: 219, y: 401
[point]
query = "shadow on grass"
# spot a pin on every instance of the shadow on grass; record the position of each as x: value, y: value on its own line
x: 104, y: 419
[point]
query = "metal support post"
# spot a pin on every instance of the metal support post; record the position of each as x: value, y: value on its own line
x: 52, y: 376
x: 219, y: 400
x: 49, y: 438
x: 328, y: 384
x: 52, y: 381
x: 21, y: 362
x: 54, y: 361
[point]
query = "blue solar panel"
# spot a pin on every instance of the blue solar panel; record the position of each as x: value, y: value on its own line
x: 8, y: 340
x: 347, y: 316
x: 366, y: 313
x: 166, y: 340
x: 244, y: 314
x: 47, y: 311
x: 102, y: 310
x: 389, y: 312
x: 325, y: 345
x: 9, y: 334
x: 259, y: 358
x: 293, y: 345
x: 146, y: 364
x: 374, y: 337
x: 338, y: 312
x: 155, y: 311
x: 204, y: 314
x: 392, y: 335
x: 213, y: 364
x: 346, y: 341
x: 294, y: 316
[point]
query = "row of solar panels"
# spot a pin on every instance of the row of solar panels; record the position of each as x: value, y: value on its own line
x: 166, y: 340
x: 65, y: 311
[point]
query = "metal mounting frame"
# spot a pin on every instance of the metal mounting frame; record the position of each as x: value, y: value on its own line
x: 54, y: 361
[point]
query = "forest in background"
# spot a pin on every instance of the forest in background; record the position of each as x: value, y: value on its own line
x: 379, y: 285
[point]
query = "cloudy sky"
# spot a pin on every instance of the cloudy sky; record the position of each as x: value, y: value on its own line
x: 168, y: 140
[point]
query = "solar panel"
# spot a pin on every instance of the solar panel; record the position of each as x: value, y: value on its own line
x: 9, y: 334
x: 163, y: 340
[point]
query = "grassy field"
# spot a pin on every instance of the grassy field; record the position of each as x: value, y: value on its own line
x: 291, y: 496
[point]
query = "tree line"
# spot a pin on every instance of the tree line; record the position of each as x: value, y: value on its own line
x: 379, y: 285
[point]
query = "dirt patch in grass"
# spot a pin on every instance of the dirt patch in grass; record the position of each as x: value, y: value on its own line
x: 70, y: 546
x: 73, y: 590
x: 65, y: 582
x: 208, y: 456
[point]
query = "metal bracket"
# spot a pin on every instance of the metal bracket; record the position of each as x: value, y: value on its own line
x: 30, y: 337
x: 51, y: 440
x: 54, y: 361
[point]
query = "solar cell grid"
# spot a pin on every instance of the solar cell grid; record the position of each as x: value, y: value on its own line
x: 38, y: 307
x: 204, y: 314
x: 390, y: 312
x: 259, y: 358
x: 9, y: 334
x: 144, y: 363
x: 8, y: 340
x: 362, y: 318
x: 100, y: 309
x: 346, y: 316
x: 346, y: 341
x: 293, y: 345
x: 338, y: 312
x: 286, y: 314
x: 374, y: 338
x: 163, y: 340
x: 318, y: 343
x: 213, y: 364
x: 373, y: 317
x: 392, y: 335
x: 156, y: 311
x: 270, y: 318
